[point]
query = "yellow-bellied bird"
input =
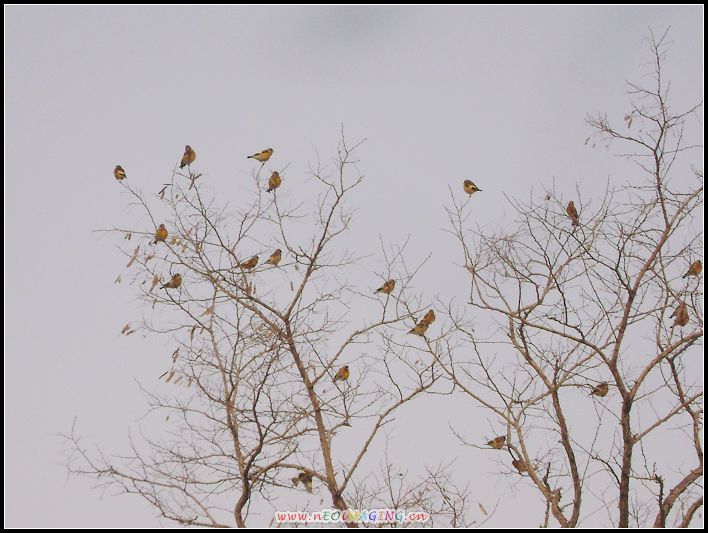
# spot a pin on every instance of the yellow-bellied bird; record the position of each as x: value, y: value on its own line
x: 420, y: 328
x: 470, y: 188
x: 275, y: 258
x: 119, y: 173
x: 174, y: 282
x: 160, y: 234
x: 342, y: 374
x: 262, y: 156
x: 497, y: 442
x: 387, y: 287
x: 520, y: 465
x: 680, y: 315
x: 429, y: 317
x: 274, y: 181
x: 601, y: 390
x: 694, y: 269
x: 305, y: 479
x: 188, y: 157
x: 572, y: 213
x: 250, y: 264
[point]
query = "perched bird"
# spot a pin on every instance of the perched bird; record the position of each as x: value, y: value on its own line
x: 572, y: 213
x: 520, y: 465
x: 174, y: 282
x: 470, y: 187
x: 429, y: 317
x: 188, y: 157
x: 342, y: 374
x: 693, y: 270
x: 262, y: 156
x: 119, y: 173
x: 274, y: 181
x: 600, y: 390
x: 250, y: 264
x: 160, y: 234
x: 420, y: 328
x: 305, y: 479
x: 387, y: 288
x: 274, y: 258
x: 497, y: 442
x: 680, y: 315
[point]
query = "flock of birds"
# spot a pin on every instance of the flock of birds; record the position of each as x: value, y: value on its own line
x: 680, y: 314
x: 274, y: 259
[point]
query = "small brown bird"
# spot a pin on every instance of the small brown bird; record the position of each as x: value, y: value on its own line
x: 174, y: 282
x: 572, y: 213
x: 250, y: 264
x: 188, y: 157
x: 274, y: 182
x: 262, y: 156
x: 520, y: 465
x: 694, y: 269
x: 429, y: 317
x: 305, y: 479
x: 274, y: 258
x: 497, y: 442
x: 601, y: 390
x: 387, y: 288
x: 470, y: 188
x: 342, y: 374
x: 119, y: 173
x: 680, y: 315
x: 160, y: 234
x: 420, y: 328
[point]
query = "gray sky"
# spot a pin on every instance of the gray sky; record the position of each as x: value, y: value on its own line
x: 496, y: 94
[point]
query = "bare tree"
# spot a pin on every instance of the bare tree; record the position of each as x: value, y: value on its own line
x: 256, y: 412
x: 591, y: 372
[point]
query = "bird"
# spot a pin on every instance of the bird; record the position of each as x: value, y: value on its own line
x: 680, y: 315
x: 160, y: 234
x: 274, y: 258
x: 262, y: 156
x: 250, y: 264
x: 470, y: 187
x: 188, y: 157
x: 600, y: 389
x: 497, y: 442
x: 174, y: 282
x: 305, y: 479
x: 342, y: 374
x: 420, y: 328
x: 274, y: 181
x: 520, y: 465
x: 429, y: 317
x: 119, y: 173
x: 387, y: 287
x: 693, y: 270
x: 572, y: 213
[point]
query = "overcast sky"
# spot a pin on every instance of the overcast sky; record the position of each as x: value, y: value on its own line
x: 495, y: 94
